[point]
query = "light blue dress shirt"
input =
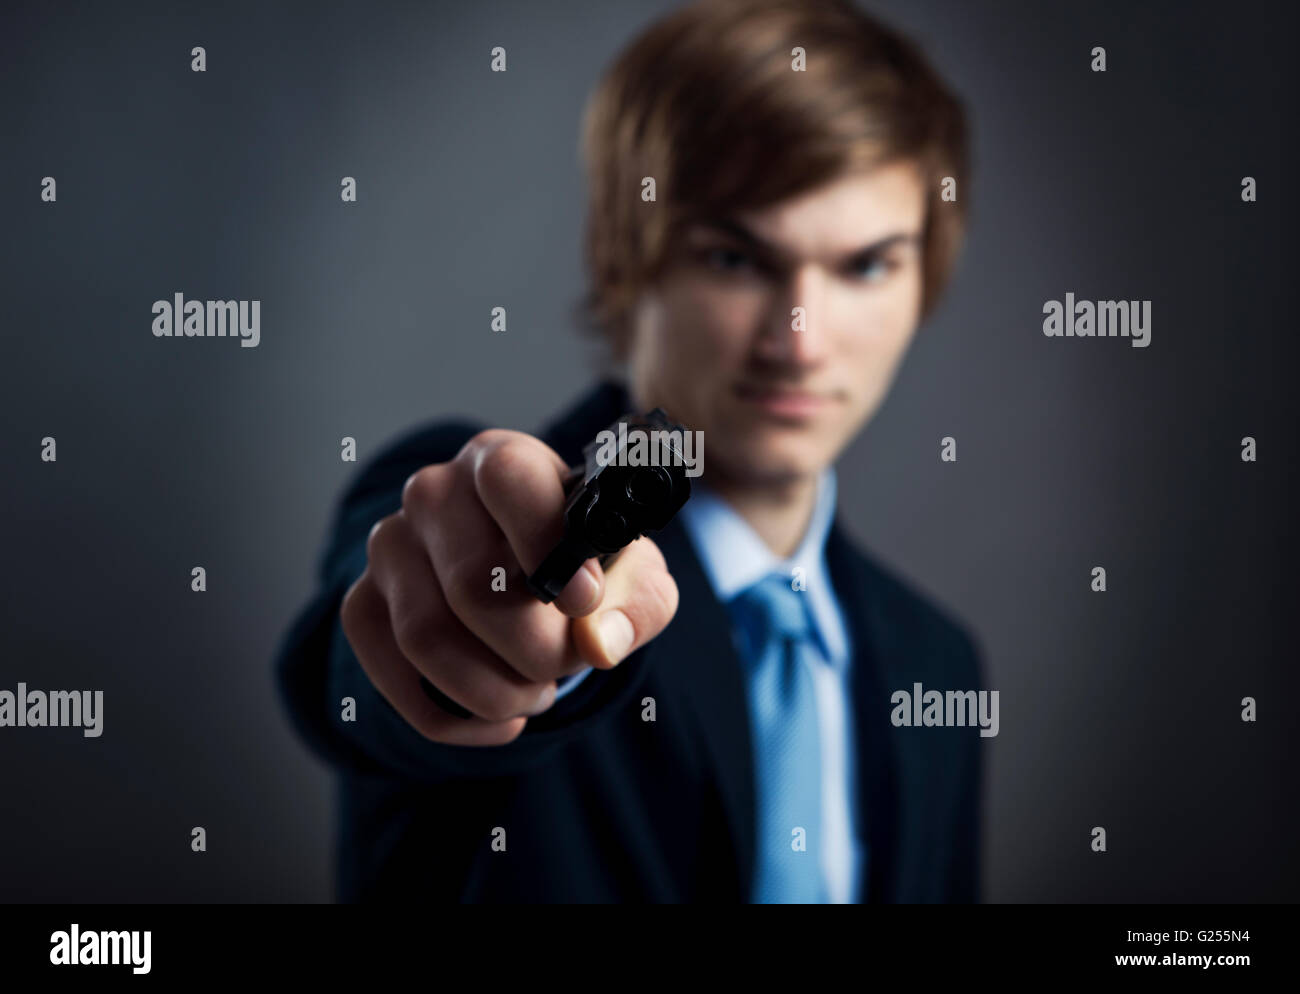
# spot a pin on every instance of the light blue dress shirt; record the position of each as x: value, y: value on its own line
x: 734, y: 557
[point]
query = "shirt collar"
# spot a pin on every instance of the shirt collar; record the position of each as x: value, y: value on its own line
x: 734, y: 557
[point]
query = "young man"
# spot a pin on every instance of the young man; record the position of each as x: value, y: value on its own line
x: 710, y: 719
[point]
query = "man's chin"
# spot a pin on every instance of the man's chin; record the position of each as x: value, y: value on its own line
x: 757, y: 465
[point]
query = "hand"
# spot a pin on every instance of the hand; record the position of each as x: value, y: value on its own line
x: 425, y: 604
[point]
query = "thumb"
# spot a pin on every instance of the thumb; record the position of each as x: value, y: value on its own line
x: 640, y: 599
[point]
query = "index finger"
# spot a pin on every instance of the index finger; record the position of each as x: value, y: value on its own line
x: 520, y: 482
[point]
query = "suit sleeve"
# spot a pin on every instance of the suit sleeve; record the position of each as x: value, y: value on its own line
x: 316, y: 668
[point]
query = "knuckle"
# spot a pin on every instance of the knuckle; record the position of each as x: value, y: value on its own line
x: 505, y: 462
x: 426, y: 487
x: 458, y: 588
x: 381, y: 533
x: 418, y: 634
x: 480, y: 444
x: 352, y: 607
x: 540, y: 645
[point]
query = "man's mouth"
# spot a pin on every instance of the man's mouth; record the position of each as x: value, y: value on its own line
x: 782, y: 402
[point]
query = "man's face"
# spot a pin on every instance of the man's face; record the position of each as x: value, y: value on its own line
x: 715, y: 341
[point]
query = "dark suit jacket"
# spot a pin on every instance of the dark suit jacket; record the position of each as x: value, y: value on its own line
x: 599, y: 805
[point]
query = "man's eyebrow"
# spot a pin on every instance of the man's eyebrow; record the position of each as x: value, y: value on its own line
x: 738, y: 231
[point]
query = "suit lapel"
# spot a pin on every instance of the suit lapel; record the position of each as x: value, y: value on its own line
x: 696, y: 649
x: 694, y: 654
x: 875, y: 659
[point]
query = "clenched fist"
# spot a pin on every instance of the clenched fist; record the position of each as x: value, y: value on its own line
x: 425, y: 605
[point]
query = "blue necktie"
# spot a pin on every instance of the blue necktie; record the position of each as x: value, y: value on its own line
x: 775, y: 628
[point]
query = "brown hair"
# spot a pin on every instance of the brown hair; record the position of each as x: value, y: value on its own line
x: 706, y: 102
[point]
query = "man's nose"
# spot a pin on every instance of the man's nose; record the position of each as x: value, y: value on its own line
x: 794, y: 333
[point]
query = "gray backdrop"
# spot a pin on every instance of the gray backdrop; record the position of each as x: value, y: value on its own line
x: 1118, y: 709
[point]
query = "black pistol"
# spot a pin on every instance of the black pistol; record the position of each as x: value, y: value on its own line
x: 611, y: 503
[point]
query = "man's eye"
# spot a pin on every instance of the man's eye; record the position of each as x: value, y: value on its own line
x: 872, y: 269
x: 727, y: 259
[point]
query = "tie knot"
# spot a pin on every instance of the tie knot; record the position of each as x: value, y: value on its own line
x: 773, y: 607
